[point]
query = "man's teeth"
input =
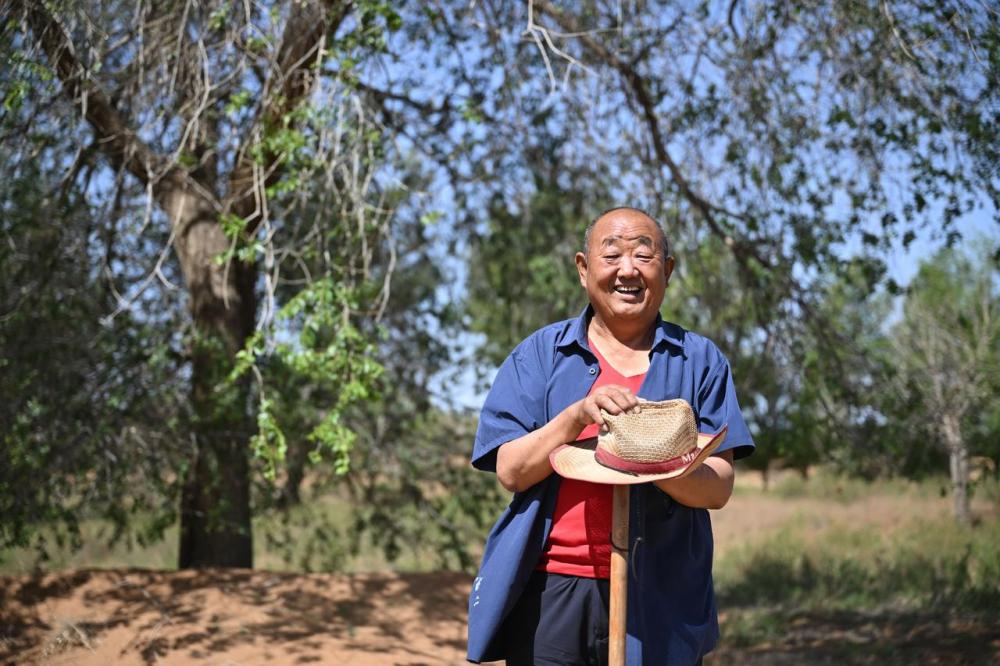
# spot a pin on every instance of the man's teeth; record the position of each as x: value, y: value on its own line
x: 628, y: 290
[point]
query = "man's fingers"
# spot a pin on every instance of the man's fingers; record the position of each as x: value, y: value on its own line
x: 623, y: 398
x: 612, y: 399
x: 615, y: 401
x: 608, y: 404
x: 594, y: 412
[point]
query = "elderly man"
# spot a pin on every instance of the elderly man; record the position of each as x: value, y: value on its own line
x: 541, y: 596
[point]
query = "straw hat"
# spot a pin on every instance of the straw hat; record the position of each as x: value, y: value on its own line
x: 661, y: 441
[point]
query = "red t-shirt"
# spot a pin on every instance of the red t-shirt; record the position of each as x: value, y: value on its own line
x: 580, y: 541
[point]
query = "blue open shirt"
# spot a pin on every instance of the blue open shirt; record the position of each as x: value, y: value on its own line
x: 671, y: 605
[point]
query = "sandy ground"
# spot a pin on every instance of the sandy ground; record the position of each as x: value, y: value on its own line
x: 96, y: 618
x: 226, y: 617
x: 101, y: 617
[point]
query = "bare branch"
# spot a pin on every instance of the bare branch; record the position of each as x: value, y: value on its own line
x: 538, y: 33
x: 291, y: 79
x: 115, y: 138
x: 640, y: 90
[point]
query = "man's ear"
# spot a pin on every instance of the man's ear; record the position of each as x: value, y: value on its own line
x: 668, y: 268
x: 581, y: 268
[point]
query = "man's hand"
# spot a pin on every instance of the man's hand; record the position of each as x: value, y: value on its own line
x: 523, y: 462
x: 611, y: 398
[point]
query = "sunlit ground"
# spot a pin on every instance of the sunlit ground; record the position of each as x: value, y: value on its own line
x: 824, y: 570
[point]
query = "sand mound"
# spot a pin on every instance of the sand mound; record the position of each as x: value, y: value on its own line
x: 232, y: 617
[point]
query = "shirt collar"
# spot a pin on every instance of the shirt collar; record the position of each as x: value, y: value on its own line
x: 576, y: 332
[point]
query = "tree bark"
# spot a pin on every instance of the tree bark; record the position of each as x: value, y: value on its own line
x: 958, y: 458
x: 295, y: 464
x: 215, y: 528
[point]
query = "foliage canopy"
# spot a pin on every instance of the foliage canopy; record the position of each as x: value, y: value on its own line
x: 265, y: 203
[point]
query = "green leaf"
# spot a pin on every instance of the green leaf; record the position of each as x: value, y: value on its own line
x: 217, y: 19
x: 237, y: 101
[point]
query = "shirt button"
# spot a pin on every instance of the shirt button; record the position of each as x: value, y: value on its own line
x: 593, y: 371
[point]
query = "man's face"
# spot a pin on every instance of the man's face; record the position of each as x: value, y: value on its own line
x: 624, y: 271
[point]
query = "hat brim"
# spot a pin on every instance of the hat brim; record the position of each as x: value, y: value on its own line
x: 576, y: 461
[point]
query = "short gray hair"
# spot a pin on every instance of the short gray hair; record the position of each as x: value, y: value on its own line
x: 664, y: 243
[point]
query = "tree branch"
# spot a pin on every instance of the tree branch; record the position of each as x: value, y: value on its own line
x: 426, y: 109
x: 292, y: 77
x: 640, y: 90
x: 116, y: 140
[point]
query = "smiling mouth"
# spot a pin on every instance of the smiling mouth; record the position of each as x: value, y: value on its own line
x: 628, y: 291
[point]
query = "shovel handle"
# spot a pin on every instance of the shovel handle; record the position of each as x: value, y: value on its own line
x: 619, y: 577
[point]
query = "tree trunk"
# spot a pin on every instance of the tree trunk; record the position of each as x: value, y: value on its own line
x: 958, y: 455
x: 295, y: 463
x: 215, y: 498
x: 215, y: 526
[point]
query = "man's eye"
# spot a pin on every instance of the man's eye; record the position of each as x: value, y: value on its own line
x: 612, y: 257
x: 644, y: 257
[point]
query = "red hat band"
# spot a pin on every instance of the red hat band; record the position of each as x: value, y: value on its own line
x: 611, y: 461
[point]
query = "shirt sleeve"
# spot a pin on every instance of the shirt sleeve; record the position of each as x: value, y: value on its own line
x: 514, y: 407
x: 719, y: 407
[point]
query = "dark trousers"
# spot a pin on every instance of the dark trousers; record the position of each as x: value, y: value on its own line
x: 559, y: 621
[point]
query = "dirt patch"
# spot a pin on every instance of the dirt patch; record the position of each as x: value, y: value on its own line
x: 134, y: 616
x: 96, y: 618
x: 145, y: 617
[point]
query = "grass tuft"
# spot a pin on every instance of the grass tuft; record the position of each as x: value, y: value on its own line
x: 928, y: 565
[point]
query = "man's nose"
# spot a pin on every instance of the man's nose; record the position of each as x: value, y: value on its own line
x: 626, y: 267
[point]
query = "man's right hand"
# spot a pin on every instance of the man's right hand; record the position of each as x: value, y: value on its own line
x: 612, y: 398
x: 523, y: 462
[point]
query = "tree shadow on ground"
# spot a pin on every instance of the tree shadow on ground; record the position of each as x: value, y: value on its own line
x: 22, y: 623
x: 407, y: 619
x: 290, y: 612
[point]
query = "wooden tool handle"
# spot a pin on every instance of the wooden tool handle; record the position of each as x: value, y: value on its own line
x: 619, y: 577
